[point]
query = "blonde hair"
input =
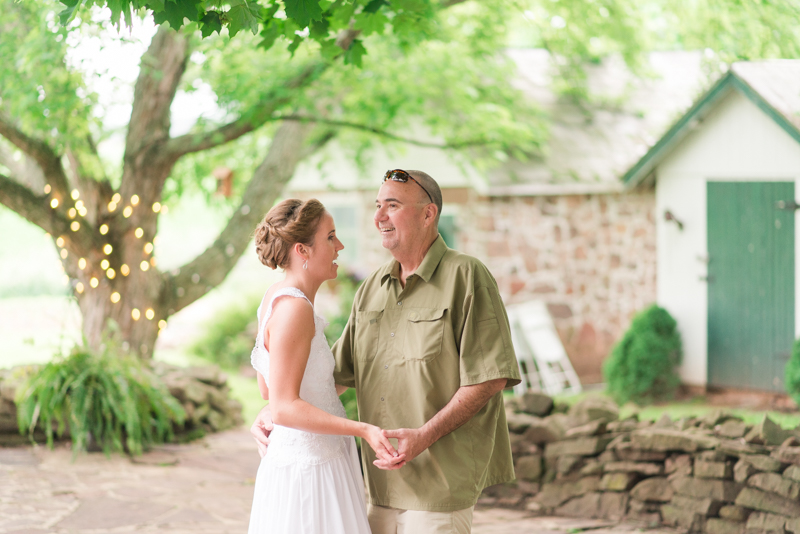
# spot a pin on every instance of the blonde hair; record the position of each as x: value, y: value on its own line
x: 287, y: 223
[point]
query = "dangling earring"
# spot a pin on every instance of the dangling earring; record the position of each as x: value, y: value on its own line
x: 305, y: 265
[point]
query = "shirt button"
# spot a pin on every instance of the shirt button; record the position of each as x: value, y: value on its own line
x: 400, y: 303
x: 392, y: 334
x: 385, y: 366
x: 381, y: 398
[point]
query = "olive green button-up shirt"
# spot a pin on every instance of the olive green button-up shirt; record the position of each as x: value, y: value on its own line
x: 407, y: 351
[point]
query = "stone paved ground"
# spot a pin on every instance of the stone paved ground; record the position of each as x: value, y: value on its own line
x: 203, y: 487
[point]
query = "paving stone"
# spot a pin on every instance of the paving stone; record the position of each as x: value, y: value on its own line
x: 556, y: 493
x: 576, y: 447
x: 519, y: 422
x: 679, y: 517
x: 743, y: 470
x: 723, y: 526
x: 762, y: 462
x: 593, y: 428
x: 703, y: 469
x: 587, y: 505
x: 529, y: 468
x: 767, y: 432
x: 647, y: 469
x: 737, y: 447
x: 721, y: 490
x: 732, y: 512
x: 776, y: 484
x: 793, y: 525
x: 107, y: 513
x: 789, y: 455
x: 767, y: 502
x: 679, y: 465
x: 613, y: 505
x: 731, y: 429
x: 656, y: 439
x: 536, y: 403
x: 656, y: 489
x: 703, y: 506
x: 792, y: 473
x: 547, y: 430
x: 568, y: 464
x: 623, y: 425
x: 765, y: 522
x: 594, y: 408
x: 619, y: 481
x: 629, y: 454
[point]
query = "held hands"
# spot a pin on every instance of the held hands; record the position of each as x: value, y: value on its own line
x: 387, y: 455
x: 410, y: 443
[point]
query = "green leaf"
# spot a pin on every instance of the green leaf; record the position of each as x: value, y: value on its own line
x: 374, y: 6
x: 353, y: 55
x: 210, y: 23
x: 294, y: 44
x: 68, y: 14
x: 270, y: 33
x: 370, y: 23
x: 175, y: 11
x: 303, y: 11
x: 319, y: 29
x: 243, y: 17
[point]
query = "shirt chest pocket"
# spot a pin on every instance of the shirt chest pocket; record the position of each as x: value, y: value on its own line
x: 368, y: 325
x: 424, y: 330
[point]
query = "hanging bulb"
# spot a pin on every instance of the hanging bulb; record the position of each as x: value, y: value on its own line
x: 135, y: 200
x: 82, y: 264
x: 64, y: 254
x: 149, y: 314
x: 79, y: 287
x: 135, y: 314
x: 47, y: 189
x: 94, y: 282
x: 138, y: 233
x: 115, y: 297
x: 111, y: 274
x: 54, y: 203
x: 103, y: 229
x: 144, y: 266
x: 75, y: 194
x: 124, y: 269
x: 148, y: 248
x: 104, y: 264
x: 60, y: 242
x: 75, y: 226
x: 108, y: 249
x: 116, y: 198
x: 72, y: 213
x: 156, y: 206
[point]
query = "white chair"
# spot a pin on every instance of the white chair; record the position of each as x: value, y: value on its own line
x: 544, y: 364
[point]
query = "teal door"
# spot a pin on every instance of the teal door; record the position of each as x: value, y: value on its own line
x: 750, y: 283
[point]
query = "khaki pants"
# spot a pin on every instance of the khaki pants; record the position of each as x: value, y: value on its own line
x: 384, y: 520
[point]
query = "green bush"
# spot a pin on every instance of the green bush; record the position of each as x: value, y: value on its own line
x: 230, y: 335
x: 642, y: 365
x: 106, y: 398
x: 792, y: 373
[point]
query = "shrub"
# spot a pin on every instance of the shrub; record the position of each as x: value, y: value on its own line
x: 642, y: 365
x: 792, y: 373
x: 229, y: 335
x: 105, y: 398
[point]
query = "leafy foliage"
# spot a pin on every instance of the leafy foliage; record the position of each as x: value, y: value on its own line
x: 229, y: 335
x: 642, y: 365
x: 107, y: 397
x: 792, y: 373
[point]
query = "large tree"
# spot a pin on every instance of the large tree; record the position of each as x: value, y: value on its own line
x: 310, y: 71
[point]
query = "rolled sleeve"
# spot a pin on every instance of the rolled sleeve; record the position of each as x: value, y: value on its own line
x: 486, y: 350
x: 344, y: 368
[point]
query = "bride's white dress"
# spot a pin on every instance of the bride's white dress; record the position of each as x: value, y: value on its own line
x: 307, y: 483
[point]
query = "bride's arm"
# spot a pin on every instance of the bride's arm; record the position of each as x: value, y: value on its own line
x: 291, y: 329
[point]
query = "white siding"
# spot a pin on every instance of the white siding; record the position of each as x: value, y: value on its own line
x: 737, y: 141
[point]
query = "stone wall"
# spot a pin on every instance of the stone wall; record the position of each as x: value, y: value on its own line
x: 713, y: 474
x: 592, y: 258
x: 202, y: 391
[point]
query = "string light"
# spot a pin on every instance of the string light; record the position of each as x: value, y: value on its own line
x: 164, y: 210
x: 127, y: 211
x: 135, y: 314
x: 47, y: 189
x: 79, y: 205
x: 144, y: 266
x: 72, y: 213
x: 94, y: 282
x: 75, y: 194
x: 82, y: 264
x: 103, y: 229
x: 149, y: 314
x: 115, y: 297
x: 111, y: 274
x: 60, y: 241
x: 162, y: 324
x: 156, y: 206
x: 135, y: 199
x: 153, y: 261
x: 124, y: 269
x: 108, y: 249
x: 112, y: 206
x: 64, y: 254
x: 116, y: 198
x: 104, y: 264
x: 54, y: 203
x: 75, y: 226
x: 82, y: 211
x: 79, y: 287
x: 138, y: 233
x: 148, y: 248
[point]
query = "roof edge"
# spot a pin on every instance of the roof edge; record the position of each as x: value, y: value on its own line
x: 688, y: 121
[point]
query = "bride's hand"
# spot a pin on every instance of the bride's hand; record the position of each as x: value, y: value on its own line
x: 387, y: 455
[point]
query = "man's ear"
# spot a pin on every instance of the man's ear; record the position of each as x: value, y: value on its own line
x: 430, y: 214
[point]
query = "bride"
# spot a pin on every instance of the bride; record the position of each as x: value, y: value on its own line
x: 309, y: 480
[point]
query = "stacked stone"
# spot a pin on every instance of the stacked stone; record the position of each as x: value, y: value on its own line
x: 202, y: 391
x: 712, y: 474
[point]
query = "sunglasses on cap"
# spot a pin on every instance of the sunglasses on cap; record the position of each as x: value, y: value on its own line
x: 399, y: 175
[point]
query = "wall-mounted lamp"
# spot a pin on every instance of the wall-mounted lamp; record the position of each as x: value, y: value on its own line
x: 668, y: 216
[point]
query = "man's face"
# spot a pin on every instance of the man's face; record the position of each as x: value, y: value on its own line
x: 400, y: 215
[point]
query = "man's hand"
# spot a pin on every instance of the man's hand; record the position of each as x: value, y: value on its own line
x: 261, y: 429
x: 410, y: 443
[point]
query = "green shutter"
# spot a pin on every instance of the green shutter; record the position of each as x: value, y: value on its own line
x: 750, y: 283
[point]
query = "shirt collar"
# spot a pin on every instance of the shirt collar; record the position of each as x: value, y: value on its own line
x: 425, y: 269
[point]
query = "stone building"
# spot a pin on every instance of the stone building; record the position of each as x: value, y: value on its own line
x: 562, y: 228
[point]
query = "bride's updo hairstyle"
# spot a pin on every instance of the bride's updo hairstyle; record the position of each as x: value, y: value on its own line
x: 287, y: 223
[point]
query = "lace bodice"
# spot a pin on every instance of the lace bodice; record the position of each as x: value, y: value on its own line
x: 288, y: 445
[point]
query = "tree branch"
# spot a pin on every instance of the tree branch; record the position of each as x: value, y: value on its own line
x: 210, y: 268
x: 41, y: 153
x: 262, y: 114
x: 35, y: 209
x: 25, y: 171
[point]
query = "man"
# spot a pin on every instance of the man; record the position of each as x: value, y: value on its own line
x: 428, y: 349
